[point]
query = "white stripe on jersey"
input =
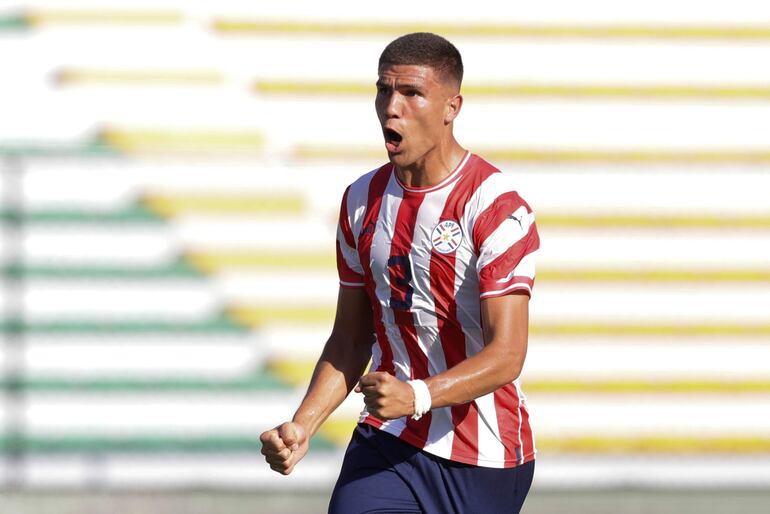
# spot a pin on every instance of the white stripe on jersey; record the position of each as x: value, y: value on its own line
x: 356, y: 208
x: 383, y: 235
x: 520, y: 395
x: 491, y: 449
x: 358, y: 197
x: 526, y: 268
x: 441, y: 431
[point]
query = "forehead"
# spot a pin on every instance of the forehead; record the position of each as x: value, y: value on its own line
x: 416, y: 73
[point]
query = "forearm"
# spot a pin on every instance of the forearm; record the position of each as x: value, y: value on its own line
x: 506, y: 325
x: 487, y: 371
x: 341, y: 363
x: 336, y: 373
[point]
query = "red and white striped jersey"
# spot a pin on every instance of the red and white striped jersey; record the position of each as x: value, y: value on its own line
x: 427, y: 257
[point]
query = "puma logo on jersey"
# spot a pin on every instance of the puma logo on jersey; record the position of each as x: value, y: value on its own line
x: 518, y: 220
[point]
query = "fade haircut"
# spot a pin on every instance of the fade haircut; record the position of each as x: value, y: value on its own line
x: 425, y: 49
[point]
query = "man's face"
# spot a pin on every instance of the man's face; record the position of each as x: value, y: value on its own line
x: 412, y: 106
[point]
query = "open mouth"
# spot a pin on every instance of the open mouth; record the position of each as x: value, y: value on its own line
x: 392, y: 139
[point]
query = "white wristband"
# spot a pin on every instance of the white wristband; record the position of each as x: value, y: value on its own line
x: 422, y: 399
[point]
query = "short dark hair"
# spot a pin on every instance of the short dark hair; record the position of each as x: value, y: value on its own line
x: 425, y: 49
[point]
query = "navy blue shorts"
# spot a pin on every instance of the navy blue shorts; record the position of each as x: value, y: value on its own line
x: 382, y: 474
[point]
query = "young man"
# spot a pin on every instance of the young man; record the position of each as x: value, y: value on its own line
x: 436, y: 262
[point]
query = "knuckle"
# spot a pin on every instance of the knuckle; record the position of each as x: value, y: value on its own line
x: 278, y: 464
x: 272, y: 456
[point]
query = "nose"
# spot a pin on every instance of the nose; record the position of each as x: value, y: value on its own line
x: 393, y: 105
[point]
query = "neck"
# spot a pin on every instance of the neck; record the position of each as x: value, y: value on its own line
x: 434, y: 166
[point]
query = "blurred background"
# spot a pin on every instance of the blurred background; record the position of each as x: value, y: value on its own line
x: 171, y: 177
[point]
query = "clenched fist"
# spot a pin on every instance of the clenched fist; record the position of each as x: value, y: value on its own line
x: 284, y: 446
x: 385, y: 396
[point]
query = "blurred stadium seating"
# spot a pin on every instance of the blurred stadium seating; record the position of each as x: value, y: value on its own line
x: 171, y: 175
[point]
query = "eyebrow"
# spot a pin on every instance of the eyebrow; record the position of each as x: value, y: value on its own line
x: 403, y: 85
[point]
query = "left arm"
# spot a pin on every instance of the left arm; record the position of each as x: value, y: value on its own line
x: 506, y: 323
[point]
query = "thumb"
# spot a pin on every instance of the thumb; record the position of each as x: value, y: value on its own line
x: 291, y: 434
x: 369, y: 379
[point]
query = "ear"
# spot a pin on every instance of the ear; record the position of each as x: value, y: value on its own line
x: 453, y: 106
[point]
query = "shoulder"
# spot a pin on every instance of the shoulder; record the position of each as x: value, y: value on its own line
x: 357, y: 192
x: 495, y: 190
x: 496, y: 201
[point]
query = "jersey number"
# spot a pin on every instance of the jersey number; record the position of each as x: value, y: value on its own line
x: 400, y: 277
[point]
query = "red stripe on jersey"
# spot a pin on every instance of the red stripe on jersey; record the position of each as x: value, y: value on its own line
x: 403, y: 235
x: 508, y: 422
x: 465, y: 445
x: 488, y: 221
x: 377, y: 187
x: 527, y: 439
x: 502, y: 265
x: 347, y: 232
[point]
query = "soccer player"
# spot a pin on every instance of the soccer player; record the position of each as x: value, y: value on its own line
x: 435, y: 254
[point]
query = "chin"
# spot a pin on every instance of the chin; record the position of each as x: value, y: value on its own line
x: 399, y: 159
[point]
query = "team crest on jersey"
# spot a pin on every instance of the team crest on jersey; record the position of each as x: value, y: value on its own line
x: 447, y: 236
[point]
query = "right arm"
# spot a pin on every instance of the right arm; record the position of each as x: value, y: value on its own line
x: 341, y: 364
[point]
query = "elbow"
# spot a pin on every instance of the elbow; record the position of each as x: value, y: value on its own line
x: 510, y: 364
x: 510, y: 374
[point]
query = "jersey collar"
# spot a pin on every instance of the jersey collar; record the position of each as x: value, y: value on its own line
x: 447, y: 180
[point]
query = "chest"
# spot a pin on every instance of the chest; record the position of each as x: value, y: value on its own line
x: 414, y: 241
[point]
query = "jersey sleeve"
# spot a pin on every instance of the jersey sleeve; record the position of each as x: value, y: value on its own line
x: 506, y: 239
x: 348, y: 263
